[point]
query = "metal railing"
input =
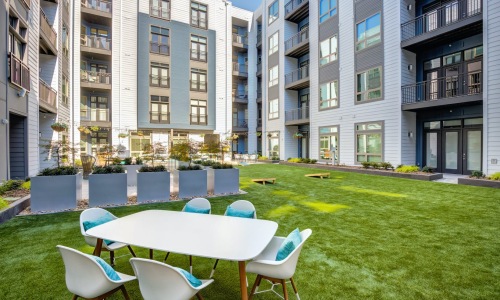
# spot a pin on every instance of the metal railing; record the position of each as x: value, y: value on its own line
x: 259, y: 37
x: 444, y: 87
x: 47, y: 29
x: 94, y: 114
x: 298, y: 74
x: 198, y: 85
x: 297, y: 114
x: 198, y: 55
x: 100, y: 5
x: 241, y: 123
x: 259, y: 122
x: 259, y: 94
x: 160, y: 12
x: 240, y: 97
x: 158, y: 117
x: 445, y: 15
x: 297, y: 38
x: 292, y: 5
x: 95, y: 77
x: 240, y: 68
x: 259, y: 67
x: 19, y: 72
x: 96, y: 42
x: 158, y: 48
x: 159, y: 81
x: 47, y: 94
x: 198, y: 119
x: 240, y: 39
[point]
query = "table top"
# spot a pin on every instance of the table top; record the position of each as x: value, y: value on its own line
x: 202, y: 235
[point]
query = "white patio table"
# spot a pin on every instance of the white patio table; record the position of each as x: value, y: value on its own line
x: 212, y: 236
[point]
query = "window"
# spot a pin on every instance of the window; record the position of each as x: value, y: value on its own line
x: 99, y: 108
x: 328, y: 95
x: 65, y: 90
x: 198, y: 48
x: 327, y: 8
x: 198, y: 15
x: 369, y: 142
x: 160, y: 41
x: 328, y: 50
x: 159, y: 75
x: 369, y: 85
x: 328, y: 142
x: 160, y: 112
x: 99, y: 140
x: 473, y: 53
x: 160, y: 9
x: 65, y: 41
x: 274, y: 43
x: 198, y: 80
x: 432, y: 64
x: 368, y: 32
x: 273, y: 76
x: 273, y: 109
x: 198, y: 112
x: 274, y: 144
x: 273, y: 12
x: 452, y: 59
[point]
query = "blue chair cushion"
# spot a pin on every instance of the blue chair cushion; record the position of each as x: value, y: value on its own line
x: 110, y: 272
x: 193, y: 209
x: 93, y: 223
x: 289, y: 244
x: 232, y: 212
x: 195, y: 282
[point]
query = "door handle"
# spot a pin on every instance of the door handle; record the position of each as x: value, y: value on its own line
x: 464, y: 156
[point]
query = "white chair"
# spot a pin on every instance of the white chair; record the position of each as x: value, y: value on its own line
x: 161, y: 281
x: 94, y: 214
x: 85, y: 278
x: 266, y: 266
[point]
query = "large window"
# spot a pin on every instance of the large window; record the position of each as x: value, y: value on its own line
x: 198, y: 80
x: 198, y: 15
x: 369, y: 141
x: 368, y: 32
x: 65, y: 90
x: 273, y: 109
x: 99, y: 109
x: 65, y: 40
x: 160, y: 41
x: 328, y: 142
x: 327, y: 9
x: 328, y: 50
x: 198, y: 112
x: 273, y: 12
x: 198, y: 48
x: 160, y: 9
x: 159, y: 75
x: 274, y: 43
x: 274, y: 144
x: 273, y: 76
x: 329, y: 95
x: 369, y: 85
x: 160, y: 112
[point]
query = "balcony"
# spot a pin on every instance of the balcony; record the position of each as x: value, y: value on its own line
x: 298, y: 44
x: 451, y: 90
x: 48, y: 36
x: 259, y: 124
x: 95, y: 116
x: 240, y: 70
x: 240, y: 125
x: 259, y: 96
x: 97, y: 11
x: 240, y: 98
x: 297, y: 116
x: 259, y: 40
x: 198, y: 119
x: 93, y: 44
x: 160, y: 12
x: 48, y: 98
x: 447, y: 23
x: 240, y: 42
x: 162, y: 49
x: 296, y: 10
x: 259, y: 70
x: 95, y: 80
x: 19, y: 73
x: 298, y: 79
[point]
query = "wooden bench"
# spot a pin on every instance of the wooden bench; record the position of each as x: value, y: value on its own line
x: 320, y: 175
x: 264, y: 180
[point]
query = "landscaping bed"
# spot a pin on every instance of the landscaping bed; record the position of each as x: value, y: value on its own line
x: 480, y: 182
x: 14, y: 198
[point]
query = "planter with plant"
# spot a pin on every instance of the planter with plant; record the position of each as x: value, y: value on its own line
x: 153, y: 184
x: 122, y: 135
x: 132, y: 168
x: 190, y: 181
x: 223, y: 179
x: 108, y: 185
x: 59, y: 127
x: 478, y: 178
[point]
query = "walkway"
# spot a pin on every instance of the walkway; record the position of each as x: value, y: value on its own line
x: 451, y: 178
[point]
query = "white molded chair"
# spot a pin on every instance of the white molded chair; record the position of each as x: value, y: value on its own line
x: 85, y: 278
x: 161, y: 281
x: 94, y: 214
x: 266, y: 266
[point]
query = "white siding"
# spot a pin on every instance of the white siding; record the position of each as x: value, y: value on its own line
x: 33, y: 44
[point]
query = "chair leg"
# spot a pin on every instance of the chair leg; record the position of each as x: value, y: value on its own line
x: 198, y: 296
x: 213, y: 269
x: 131, y: 251
x: 285, y: 293
x: 166, y: 256
x: 124, y: 291
x: 295, y: 288
x: 150, y: 253
x: 190, y: 264
x: 112, y: 257
x: 255, y: 286
x: 75, y: 297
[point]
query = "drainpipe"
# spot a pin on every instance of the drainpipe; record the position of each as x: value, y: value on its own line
x: 72, y: 51
x: 226, y: 98
x: 7, y: 95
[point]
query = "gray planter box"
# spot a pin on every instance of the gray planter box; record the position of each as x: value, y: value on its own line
x: 132, y: 174
x: 191, y: 183
x: 105, y: 189
x: 480, y: 182
x: 153, y: 186
x: 223, y: 181
x: 54, y: 193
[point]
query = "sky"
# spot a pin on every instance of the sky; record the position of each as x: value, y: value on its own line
x: 250, y: 5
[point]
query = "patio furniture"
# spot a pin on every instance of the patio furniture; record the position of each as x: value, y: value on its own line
x: 264, y: 180
x: 86, y: 278
x: 320, y: 175
x: 253, y: 157
x: 245, y: 157
x: 88, y: 162
x: 161, y: 281
x: 237, y: 157
x: 93, y: 215
x: 267, y: 267
x: 192, y: 234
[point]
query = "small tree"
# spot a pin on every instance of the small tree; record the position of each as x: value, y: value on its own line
x: 107, y: 152
x: 184, y: 151
x: 154, y: 151
x: 59, y: 149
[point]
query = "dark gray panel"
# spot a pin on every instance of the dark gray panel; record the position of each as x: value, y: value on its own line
x: 371, y: 57
x: 329, y: 72
x: 17, y: 146
x: 364, y: 9
x: 273, y: 60
x: 273, y: 92
x: 329, y: 27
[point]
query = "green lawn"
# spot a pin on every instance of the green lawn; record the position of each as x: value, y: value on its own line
x: 373, y: 237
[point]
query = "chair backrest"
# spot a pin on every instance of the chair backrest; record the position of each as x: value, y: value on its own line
x: 161, y: 281
x: 243, y: 205
x: 90, y: 215
x: 199, y: 203
x: 287, y: 268
x: 84, y: 276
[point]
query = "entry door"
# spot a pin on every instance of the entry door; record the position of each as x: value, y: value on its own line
x: 472, y: 152
x: 452, y: 151
x: 432, y: 150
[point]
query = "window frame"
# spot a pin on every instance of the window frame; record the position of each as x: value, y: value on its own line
x: 276, y: 16
x: 198, y: 72
x: 328, y: 13
x: 356, y: 101
x: 273, y: 115
x: 160, y: 34
x: 197, y: 45
x: 191, y: 8
x: 160, y: 10
x: 366, y: 132
x: 272, y: 82
x: 160, y: 104
x: 329, y: 134
x: 161, y: 68
x: 336, y: 54
x: 336, y: 82
x: 275, y: 48
x: 365, y: 38
x: 198, y: 106
x: 275, y: 135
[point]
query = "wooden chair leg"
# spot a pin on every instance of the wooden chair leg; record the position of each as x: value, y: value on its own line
x: 150, y: 253
x: 112, y: 257
x: 254, y: 287
x: 294, y: 288
x: 124, y: 291
x: 131, y: 251
x: 198, y: 296
x: 285, y: 293
x: 213, y: 269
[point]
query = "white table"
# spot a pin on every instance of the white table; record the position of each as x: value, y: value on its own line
x: 212, y: 236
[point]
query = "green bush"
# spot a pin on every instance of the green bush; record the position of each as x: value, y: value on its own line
x: 477, y: 174
x: 3, y: 203
x: 306, y: 160
x: 495, y: 176
x: 108, y: 169
x: 427, y: 169
x: 386, y: 166
x: 145, y: 169
x: 221, y: 166
x: 138, y: 161
x: 10, y: 185
x: 189, y: 168
x: 295, y: 160
x: 313, y: 161
x: 127, y: 161
x: 366, y: 164
x: 262, y: 158
x: 58, y: 171
x: 407, y: 169
x: 26, y: 185
x: 275, y: 158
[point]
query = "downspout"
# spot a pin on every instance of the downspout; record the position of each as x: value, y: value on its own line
x: 120, y: 74
x: 72, y: 51
x: 7, y: 95
x: 225, y: 102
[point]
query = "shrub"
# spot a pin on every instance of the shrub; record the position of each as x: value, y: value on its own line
x: 3, y: 203
x: 375, y: 165
x: 116, y: 161
x: 10, y: 185
x: 221, y: 166
x: 407, y: 169
x: 313, y: 161
x: 108, y: 169
x: 495, y: 176
x: 145, y: 169
x: 306, y: 160
x: 427, y: 169
x: 366, y: 164
x: 127, y: 161
x: 262, y: 158
x: 386, y: 166
x: 26, y: 185
x: 477, y: 174
x: 295, y: 160
x: 138, y: 161
x: 189, y: 168
x: 59, y: 171
x: 275, y: 158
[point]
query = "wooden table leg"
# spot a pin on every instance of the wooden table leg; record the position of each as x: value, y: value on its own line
x: 243, y: 280
x: 98, y: 248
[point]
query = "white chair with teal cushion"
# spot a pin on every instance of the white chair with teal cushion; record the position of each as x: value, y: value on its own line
x: 277, y: 263
x: 161, y: 281
x: 90, y: 277
x: 92, y: 217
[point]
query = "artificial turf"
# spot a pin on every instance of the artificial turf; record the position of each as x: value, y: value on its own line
x: 373, y: 237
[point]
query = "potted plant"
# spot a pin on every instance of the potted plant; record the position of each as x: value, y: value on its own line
x: 298, y: 135
x: 59, y: 127
x: 191, y: 180
x: 84, y: 130
x: 108, y: 185
x: 259, y: 133
x: 153, y: 183
x: 223, y: 179
x: 122, y: 135
x: 94, y: 128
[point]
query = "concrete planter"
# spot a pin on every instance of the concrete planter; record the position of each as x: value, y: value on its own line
x: 14, y: 208
x: 191, y: 183
x: 480, y: 182
x: 55, y: 193
x: 223, y: 181
x: 132, y: 174
x: 153, y: 186
x: 106, y: 189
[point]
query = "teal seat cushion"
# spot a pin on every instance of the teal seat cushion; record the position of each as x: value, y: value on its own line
x: 232, y: 212
x: 110, y: 272
x: 195, y: 282
x: 291, y: 242
x: 193, y: 209
x: 101, y: 220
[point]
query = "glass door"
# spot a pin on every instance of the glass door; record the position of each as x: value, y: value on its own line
x: 472, y: 154
x: 431, y: 92
x: 452, y: 151
x: 452, y: 81
x: 432, y: 147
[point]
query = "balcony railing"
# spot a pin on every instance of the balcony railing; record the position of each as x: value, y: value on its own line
x: 160, y: 12
x: 240, y: 39
x: 157, y: 48
x: 292, y: 5
x: 47, y: 29
x: 297, y: 114
x: 446, y: 15
x: 259, y: 122
x: 297, y: 38
x: 158, y: 117
x: 159, y: 81
x: 441, y: 88
x: 94, y: 114
x: 298, y: 74
x: 240, y: 68
x: 96, y: 42
x: 241, y: 98
x: 47, y: 94
x: 100, y: 5
x: 259, y: 94
x: 198, y: 119
x: 241, y: 123
x: 95, y: 77
x: 19, y: 72
x: 198, y: 55
x: 259, y: 37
